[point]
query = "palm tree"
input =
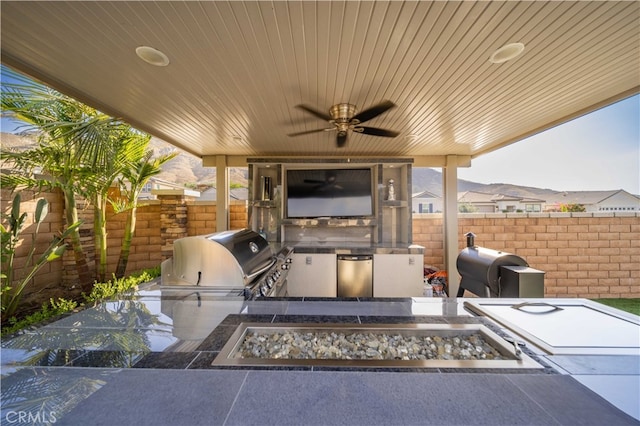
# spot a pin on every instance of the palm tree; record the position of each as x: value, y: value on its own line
x: 134, y: 180
x: 72, y: 148
x: 54, y: 157
x: 126, y: 147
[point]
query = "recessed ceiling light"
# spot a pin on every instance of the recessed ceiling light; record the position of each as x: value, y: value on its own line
x: 507, y: 53
x: 152, y: 56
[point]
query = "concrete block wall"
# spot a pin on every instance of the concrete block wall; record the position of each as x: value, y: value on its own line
x: 173, y: 220
x: 587, y: 255
x: 59, y: 278
x: 50, y: 275
x: 238, y: 215
x: 146, y: 246
x: 201, y: 216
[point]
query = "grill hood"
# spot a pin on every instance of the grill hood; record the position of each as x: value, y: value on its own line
x: 224, y: 259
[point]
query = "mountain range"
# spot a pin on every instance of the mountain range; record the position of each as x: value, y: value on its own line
x: 188, y: 169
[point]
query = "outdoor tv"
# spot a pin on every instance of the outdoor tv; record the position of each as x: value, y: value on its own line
x: 334, y: 193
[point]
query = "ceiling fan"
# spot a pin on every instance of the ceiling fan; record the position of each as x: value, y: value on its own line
x: 344, y: 119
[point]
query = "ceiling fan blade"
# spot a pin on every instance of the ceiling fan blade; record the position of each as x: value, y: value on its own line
x: 373, y: 112
x: 320, y: 115
x: 306, y: 132
x: 341, y: 139
x: 374, y: 131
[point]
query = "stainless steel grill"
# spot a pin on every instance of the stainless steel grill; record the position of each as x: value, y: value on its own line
x: 240, y: 259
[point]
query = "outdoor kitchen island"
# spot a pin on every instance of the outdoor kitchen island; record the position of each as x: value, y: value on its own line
x: 355, y: 270
x: 172, y: 382
x: 155, y: 355
x: 348, y: 221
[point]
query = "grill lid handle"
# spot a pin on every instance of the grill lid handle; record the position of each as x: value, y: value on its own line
x: 268, y: 265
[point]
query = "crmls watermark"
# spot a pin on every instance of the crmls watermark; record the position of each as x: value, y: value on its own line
x: 27, y: 417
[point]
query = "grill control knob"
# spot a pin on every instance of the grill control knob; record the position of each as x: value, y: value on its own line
x: 285, y: 266
x: 288, y: 260
x: 247, y: 294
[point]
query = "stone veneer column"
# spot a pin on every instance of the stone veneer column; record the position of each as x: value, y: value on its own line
x: 173, y: 216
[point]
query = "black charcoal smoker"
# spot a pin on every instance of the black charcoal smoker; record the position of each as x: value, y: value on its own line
x: 491, y: 273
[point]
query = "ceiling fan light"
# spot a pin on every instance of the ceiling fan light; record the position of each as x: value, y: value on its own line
x: 506, y: 53
x: 152, y: 56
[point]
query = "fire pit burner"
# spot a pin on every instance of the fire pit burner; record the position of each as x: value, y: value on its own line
x: 371, y: 345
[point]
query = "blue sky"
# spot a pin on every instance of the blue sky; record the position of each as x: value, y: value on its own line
x: 598, y: 151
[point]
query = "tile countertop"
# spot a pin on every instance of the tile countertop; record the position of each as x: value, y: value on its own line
x: 174, y: 358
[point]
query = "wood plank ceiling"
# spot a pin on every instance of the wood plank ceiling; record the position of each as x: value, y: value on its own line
x: 238, y: 69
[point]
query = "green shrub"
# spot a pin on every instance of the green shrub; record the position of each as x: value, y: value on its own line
x: 48, y: 310
x: 100, y: 292
x: 10, y: 239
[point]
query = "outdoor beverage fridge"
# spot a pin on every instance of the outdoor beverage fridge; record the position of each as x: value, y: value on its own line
x: 355, y: 275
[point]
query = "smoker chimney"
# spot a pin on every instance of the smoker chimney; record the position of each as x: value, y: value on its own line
x: 470, y: 239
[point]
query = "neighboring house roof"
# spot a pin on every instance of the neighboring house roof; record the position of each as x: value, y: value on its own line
x: 618, y: 197
x: 531, y: 200
x: 425, y: 194
x: 505, y: 197
x: 165, y: 183
x: 475, y: 197
x: 586, y: 197
x: 565, y: 197
x: 240, y: 194
x: 483, y: 197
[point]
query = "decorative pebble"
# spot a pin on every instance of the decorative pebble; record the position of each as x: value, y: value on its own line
x: 362, y: 346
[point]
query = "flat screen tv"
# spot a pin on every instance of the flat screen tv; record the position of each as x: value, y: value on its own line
x: 315, y: 193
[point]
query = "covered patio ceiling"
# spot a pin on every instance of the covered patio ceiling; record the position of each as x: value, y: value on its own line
x: 238, y: 69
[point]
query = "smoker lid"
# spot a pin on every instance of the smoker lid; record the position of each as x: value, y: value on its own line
x: 480, y: 267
